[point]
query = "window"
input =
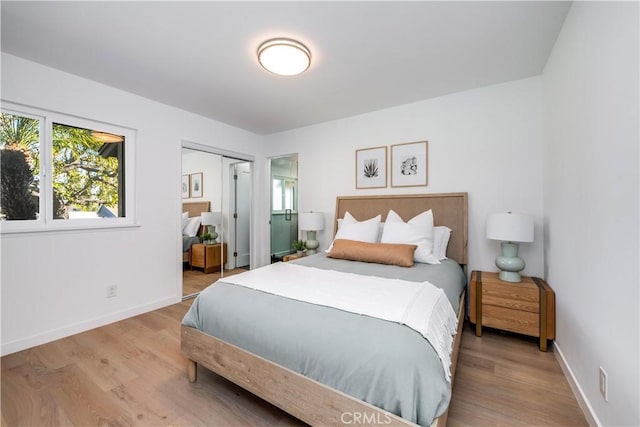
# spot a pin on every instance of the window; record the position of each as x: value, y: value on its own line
x: 87, y: 173
x: 61, y: 172
x: 278, y: 196
x: 283, y: 194
x: 19, y: 167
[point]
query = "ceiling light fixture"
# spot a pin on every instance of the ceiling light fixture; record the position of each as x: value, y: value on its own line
x: 285, y: 57
x: 106, y: 137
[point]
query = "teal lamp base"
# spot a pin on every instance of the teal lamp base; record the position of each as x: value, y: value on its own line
x: 509, y: 263
x: 510, y: 276
x: 312, y: 243
x: 214, y: 235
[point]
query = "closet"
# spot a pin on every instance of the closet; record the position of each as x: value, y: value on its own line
x: 216, y: 188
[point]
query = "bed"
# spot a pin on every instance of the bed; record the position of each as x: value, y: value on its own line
x: 193, y: 210
x: 300, y: 385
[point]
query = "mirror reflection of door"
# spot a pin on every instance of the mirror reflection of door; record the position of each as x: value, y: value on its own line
x: 240, y: 215
x: 284, y: 205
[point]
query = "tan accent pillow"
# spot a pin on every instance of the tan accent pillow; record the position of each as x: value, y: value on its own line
x: 381, y: 253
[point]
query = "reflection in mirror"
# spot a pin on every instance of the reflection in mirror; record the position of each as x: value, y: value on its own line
x: 239, y: 226
x: 203, y: 256
x: 216, y: 219
x: 284, y: 205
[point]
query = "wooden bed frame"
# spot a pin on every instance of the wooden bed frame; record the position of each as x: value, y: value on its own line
x: 303, y: 397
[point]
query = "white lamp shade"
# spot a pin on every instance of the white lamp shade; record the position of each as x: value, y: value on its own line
x: 210, y: 218
x: 311, y: 221
x: 510, y: 227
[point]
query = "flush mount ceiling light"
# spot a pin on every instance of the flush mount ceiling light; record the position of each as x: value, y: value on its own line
x: 285, y: 57
x: 107, y: 137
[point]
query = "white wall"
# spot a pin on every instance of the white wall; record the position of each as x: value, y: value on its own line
x: 484, y: 141
x: 54, y: 284
x: 210, y: 165
x: 591, y: 201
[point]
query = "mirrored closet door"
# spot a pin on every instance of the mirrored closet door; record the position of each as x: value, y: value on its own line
x: 216, y: 212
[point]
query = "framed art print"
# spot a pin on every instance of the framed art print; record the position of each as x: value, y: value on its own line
x: 196, y: 185
x: 409, y: 164
x: 186, y: 186
x: 371, y: 167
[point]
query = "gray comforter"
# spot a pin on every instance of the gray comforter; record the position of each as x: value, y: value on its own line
x: 383, y: 363
x: 188, y: 241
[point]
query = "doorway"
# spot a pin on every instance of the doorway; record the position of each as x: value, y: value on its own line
x: 284, y: 205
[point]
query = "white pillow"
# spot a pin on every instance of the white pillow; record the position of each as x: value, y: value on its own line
x: 418, y: 231
x: 380, y: 227
x: 363, y: 231
x: 184, y: 220
x: 191, y: 229
x: 441, y: 236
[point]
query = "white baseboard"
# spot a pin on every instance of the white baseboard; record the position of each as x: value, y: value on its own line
x: 48, y: 336
x: 587, y: 410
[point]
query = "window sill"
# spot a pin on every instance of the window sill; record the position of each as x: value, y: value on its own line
x: 33, y: 229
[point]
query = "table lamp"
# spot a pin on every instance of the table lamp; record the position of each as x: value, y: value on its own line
x: 510, y: 228
x: 209, y: 220
x: 311, y: 222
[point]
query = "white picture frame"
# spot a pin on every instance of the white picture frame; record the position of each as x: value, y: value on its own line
x: 186, y: 186
x: 371, y: 167
x: 409, y: 166
x: 196, y: 185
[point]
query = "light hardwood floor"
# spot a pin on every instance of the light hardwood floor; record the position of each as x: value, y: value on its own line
x: 133, y: 373
x: 194, y: 281
x: 505, y: 380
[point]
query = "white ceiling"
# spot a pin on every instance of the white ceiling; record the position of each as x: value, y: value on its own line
x: 366, y: 56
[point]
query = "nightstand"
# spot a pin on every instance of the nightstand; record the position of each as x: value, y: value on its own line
x: 208, y: 257
x: 527, y: 307
x: 291, y: 257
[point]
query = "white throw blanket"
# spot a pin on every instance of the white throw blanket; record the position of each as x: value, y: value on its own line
x: 419, y: 305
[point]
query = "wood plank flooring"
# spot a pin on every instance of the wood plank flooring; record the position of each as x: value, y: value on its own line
x: 194, y: 281
x: 132, y: 373
x: 504, y: 380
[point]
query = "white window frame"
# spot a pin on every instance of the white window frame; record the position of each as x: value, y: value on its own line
x: 46, y: 222
x: 283, y: 179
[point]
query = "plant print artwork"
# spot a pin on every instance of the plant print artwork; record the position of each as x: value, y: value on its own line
x: 371, y: 167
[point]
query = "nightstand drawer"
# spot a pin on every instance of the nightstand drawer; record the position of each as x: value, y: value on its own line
x: 522, y: 322
x: 523, y: 292
x: 197, y: 255
x: 531, y: 306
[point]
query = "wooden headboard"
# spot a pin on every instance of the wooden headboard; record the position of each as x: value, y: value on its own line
x: 449, y: 209
x: 196, y: 208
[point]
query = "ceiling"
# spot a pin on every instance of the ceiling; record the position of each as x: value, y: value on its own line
x: 366, y: 56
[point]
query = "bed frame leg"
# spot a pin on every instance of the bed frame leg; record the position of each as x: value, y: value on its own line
x: 192, y: 370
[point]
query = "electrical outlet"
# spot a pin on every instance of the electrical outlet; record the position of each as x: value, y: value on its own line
x: 603, y: 385
x: 112, y: 291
